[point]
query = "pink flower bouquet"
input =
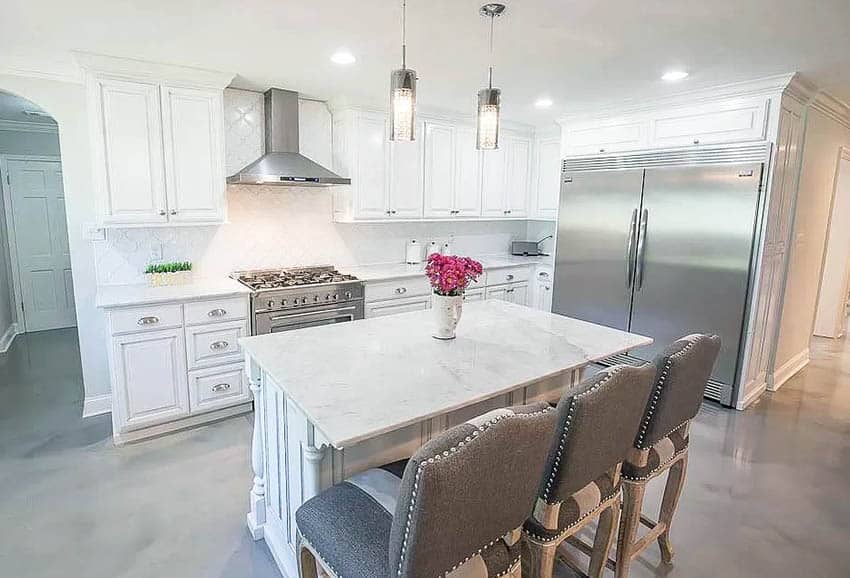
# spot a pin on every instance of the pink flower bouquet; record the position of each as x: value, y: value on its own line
x: 450, y: 275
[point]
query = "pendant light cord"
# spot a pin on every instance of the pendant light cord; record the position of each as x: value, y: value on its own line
x: 404, y: 34
x: 490, y: 70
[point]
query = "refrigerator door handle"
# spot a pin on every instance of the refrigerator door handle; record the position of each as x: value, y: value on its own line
x: 641, y: 248
x: 630, y: 249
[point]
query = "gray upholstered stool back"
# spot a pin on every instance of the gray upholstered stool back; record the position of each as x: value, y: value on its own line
x: 467, y: 488
x: 597, y: 422
x: 682, y: 371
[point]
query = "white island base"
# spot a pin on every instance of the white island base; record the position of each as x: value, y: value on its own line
x: 376, y: 390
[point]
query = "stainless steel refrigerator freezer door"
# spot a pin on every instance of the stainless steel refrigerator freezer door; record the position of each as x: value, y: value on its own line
x: 594, y: 259
x: 693, y: 262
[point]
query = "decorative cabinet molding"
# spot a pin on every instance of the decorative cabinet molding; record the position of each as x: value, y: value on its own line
x: 439, y: 176
x: 158, y: 145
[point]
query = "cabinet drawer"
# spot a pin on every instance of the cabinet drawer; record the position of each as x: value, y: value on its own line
x: 507, y: 275
x: 218, y: 387
x: 215, y: 344
x: 201, y: 312
x: 148, y: 318
x: 474, y: 295
x: 397, y: 288
x: 394, y: 306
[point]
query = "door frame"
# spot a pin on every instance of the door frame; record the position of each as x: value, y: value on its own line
x: 5, y: 186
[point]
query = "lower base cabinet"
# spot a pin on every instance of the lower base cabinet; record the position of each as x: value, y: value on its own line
x: 217, y: 387
x: 510, y: 292
x: 394, y: 306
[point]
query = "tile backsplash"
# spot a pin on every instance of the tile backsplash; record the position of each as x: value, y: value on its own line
x: 284, y: 226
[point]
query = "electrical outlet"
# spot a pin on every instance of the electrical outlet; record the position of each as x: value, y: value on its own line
x: 94, y: 233
x: 156, y: 252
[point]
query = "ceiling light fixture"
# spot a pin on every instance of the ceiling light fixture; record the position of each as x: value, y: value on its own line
x: 403, y: 92
x: 543, y: 102
x: 343, y: 57
x: 674, y: 75
x: 489, y: 99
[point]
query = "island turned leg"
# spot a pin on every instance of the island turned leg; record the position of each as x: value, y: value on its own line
x: 257, y: 515
x: 312, y: 453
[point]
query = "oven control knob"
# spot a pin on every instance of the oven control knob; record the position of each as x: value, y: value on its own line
x: 335, y: 297
x: 328, y: 297
x: 270, y: 304
x: 316, y: 298
x: 283, y: 302
x: 348, y: 294
x: 303, y: 301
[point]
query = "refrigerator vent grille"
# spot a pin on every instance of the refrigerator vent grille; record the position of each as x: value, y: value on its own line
x: 714, y: 390
x: 706, y: 155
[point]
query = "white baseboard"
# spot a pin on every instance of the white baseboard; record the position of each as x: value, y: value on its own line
x: 97, y: 405
x: 754, y: 390
x: 789, y: 369
x: 8, y: 337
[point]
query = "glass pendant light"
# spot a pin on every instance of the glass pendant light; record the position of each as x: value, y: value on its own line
x: 489, y: 99
x: 403, y: 92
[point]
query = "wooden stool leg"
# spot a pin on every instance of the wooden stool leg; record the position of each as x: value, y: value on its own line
x: 608, y: 523
x: 538, y: 560
x: 672, y: 492
x: 632, y: 506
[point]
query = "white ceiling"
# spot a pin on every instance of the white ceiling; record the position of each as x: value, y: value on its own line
x: 575, y: 52
x: 15, y: 108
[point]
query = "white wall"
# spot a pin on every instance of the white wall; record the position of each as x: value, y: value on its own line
x: 17, y: 143
x: 823, y: 141
x: 829, y: 319
x: 66, y: 103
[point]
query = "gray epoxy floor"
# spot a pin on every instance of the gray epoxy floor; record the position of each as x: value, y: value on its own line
x: 767, y: 494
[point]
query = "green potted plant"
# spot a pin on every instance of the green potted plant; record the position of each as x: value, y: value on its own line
x: 174, y: 273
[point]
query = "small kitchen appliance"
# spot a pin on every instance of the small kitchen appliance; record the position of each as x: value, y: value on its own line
x: 528, y: 248
x: 286, y: 299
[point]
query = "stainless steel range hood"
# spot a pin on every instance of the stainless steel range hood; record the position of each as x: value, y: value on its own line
x: 283, y: 164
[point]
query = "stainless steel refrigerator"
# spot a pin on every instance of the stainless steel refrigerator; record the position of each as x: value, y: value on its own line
x: 662, y: 245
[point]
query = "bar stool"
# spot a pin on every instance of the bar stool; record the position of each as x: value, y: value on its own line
x: 597, y: 422
x: 455, y: 509
x: 682, y: 371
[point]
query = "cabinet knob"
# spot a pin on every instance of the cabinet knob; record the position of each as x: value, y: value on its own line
x: 602, y: 150
x: 162, y: 213
x: 509, y: 277
x: 217, y: 313
x: 393, y: 211
x: 151, y: 320
x: 401, y: 290
x: 696, y: 141
x: 219, y: 387
x: 218, y: 345
x: 173, y: 211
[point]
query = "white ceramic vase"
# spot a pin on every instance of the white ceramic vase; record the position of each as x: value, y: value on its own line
x: 447, y: 311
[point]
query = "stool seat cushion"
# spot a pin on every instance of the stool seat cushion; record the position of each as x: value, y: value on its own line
x: 551, y: 520
x: 661, y: 455
x: 348, y: 527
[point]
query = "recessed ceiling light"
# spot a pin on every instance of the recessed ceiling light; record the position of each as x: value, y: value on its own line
x: 343, y: 56
x: 674, y: 75
x: 543, y: 102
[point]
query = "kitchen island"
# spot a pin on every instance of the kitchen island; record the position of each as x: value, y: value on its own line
x: 335, y: 400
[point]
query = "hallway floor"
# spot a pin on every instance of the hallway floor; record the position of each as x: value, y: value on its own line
x: 767, y: 492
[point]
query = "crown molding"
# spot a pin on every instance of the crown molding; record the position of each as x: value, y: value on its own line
x: 43, y: 68
x: 22, y: 126
x: 133, y: 69
x: 801, y: 89
x: 831, y: 107
x: 766, y: 86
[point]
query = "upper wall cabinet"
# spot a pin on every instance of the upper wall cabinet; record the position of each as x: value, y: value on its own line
x: 722, y: 121
x: 157, y: 140
x: 506, y: 178
x: 547, y: 189
x: 452, y: 172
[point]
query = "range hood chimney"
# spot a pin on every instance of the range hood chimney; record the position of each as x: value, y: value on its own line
x: 283, y: 164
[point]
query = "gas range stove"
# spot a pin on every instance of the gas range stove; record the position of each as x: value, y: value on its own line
x: 294, y: 298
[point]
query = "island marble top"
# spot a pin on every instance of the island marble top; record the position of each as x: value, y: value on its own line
x: 355, y: 381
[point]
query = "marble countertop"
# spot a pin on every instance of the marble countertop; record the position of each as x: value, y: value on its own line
x: 128, y: 295
x: 388, y: 372
x: 398, y: 270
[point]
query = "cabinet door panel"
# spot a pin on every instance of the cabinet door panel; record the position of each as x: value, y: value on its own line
x: 499, y: 292
x: 467, y: 185
x: 548, y: 178
x: 405, y: 194
x: 728, y: 122
x: 150, y: 378
x: 371, y: 183
x: 128, y: 151
x: 518, y: 293
x: 519, y: 158
x: 439, y: 170
x: 194, y: 154
x: 394, y: 306
x: 493, y: 183
x: 595, y: 139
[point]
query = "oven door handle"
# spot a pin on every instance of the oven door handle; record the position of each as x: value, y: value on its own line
x: 330, y: 314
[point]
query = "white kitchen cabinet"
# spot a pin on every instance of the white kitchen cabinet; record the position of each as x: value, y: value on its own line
x: 736, y: 120
x: 548, y: 178
x: 493, y: 180
x: 604, y: 137
x: 394, y: 306
x: 439, y: 164
x: 405, y: 178
x: 543, y: 289
x: 518, y: 176
x: 217, y: 388
x: 467, y: 200
x: 474, y: 295
x: 193, y: 144
x: 510, y: 292
x: 127, y: 150
x: 370, y: 177
x: 158, y: 151
x: 150, y: 384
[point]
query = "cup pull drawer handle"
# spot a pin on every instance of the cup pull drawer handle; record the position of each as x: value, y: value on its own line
x: 151, y: 320
x: 218, y: 345
x: 401, y: 290
x: 509, y: 277
x: 217, y: 313
x: 219, y: 387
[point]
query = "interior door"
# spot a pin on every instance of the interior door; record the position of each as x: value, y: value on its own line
x: 593, y: 270
x: 693, y: 262
x: 41, y: 237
